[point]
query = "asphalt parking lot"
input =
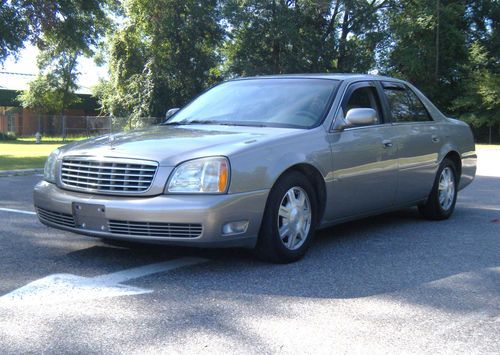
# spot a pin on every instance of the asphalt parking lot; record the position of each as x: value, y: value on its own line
x: 387, y: 284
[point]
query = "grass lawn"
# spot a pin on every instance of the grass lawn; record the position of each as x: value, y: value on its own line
x: 25, y: 154
x: 487, y: 146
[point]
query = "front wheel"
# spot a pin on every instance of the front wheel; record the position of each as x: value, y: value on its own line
x: 441, y: 201
x: 289, y: 220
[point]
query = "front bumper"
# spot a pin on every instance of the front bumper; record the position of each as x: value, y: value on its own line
x: 209, y: 211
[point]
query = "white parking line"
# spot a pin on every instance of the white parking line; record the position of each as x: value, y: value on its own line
x: 17, y: 211
x: 59, y: 288
x: 64, y: 288
x: 135, y: 273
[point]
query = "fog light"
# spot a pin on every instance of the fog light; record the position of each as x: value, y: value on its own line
x: 234, y: 227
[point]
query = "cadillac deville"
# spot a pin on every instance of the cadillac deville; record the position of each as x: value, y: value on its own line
x: 262, y: 163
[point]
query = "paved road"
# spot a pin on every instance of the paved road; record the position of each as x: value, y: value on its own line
x: 392, y: 283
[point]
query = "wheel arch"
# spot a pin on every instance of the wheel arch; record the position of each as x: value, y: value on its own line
x: 454, y: 156
x: 317, y: 181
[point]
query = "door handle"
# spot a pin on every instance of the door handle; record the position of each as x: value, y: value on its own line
x: 387, y: 143
x: 435, y: 139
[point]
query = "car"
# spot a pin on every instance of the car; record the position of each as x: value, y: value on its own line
x: 262, y: 163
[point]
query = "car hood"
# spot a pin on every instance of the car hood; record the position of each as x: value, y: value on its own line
x: 170, y: 145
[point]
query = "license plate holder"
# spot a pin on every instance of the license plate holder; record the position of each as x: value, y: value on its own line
x: 90, y: 216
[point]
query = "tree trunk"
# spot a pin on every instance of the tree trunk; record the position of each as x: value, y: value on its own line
x: 343, y: 38
x: 275, y: 54
x: 436, y: 72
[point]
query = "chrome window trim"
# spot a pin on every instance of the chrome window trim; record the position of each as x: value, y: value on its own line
x: 385, y: 124
x: 414, y: 123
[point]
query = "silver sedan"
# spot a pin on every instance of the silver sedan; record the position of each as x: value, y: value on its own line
x: 262, y: 163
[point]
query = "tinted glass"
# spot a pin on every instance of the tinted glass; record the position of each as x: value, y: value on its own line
x: 300, y: 103
x: 399, y: 104
x: 365, y: 97
x: 419, y: 111
x: 406, y: 106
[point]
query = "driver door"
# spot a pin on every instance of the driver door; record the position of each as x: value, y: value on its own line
x: 365, y: 164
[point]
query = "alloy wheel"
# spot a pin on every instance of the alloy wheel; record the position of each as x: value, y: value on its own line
x: 294, y: 218
x: 446, y: 188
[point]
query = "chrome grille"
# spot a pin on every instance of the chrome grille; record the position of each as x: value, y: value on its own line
x: 63, y: 219
x: 108, y: 175
x: 151, y: 229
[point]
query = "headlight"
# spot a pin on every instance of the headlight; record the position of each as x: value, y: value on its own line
x: 206, y: 175
x: 49, y: 171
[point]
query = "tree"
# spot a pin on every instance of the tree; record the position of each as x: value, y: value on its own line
x: 429, y: 46
x: 53, y: 89
x: 479, y: 104
x: 63, y: 31
x: 165, y: 52
x: 272, y: 37
x: 13, y: 30
x: 72, y: 24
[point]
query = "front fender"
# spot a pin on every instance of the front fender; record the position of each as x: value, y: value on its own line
x: 259, y: 167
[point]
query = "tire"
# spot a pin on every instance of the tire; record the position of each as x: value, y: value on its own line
x: 292, y: 208
x: 441, y: 201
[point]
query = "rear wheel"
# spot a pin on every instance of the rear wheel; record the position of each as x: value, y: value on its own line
x: 441, y: 201
x: 289, y: 220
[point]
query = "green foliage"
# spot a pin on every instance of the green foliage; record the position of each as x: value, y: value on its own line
x: 53, y: 89
x: 13, y: 30
x: 71, y: 24
x: 8, y: 136
x: 165, y: 52
x: 429, y: 46
x: 479, y: 104
x: 63, y: 31
x: 272, y: 37
x: 163, y: 55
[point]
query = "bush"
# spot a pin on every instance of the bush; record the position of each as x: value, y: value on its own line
x: 7, y: 136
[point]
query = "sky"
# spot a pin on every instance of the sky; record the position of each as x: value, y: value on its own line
x: 26, y: 64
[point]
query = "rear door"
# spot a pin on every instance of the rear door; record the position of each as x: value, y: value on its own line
x: 364, y: 158
x: 418, y: 142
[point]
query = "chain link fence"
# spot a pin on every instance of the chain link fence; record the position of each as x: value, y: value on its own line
x: 27, y: 125
x: 487, y: 134
x: 71, y: 126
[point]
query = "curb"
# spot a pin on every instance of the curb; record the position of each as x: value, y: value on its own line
x: 20, y: 172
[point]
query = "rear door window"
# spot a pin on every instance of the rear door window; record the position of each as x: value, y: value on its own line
x: 404, y: 104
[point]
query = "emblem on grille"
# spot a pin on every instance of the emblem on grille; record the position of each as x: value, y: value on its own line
x: 111, y: 140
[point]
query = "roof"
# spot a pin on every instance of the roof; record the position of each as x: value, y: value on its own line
x: 20, y: 81
x: 332, y: 76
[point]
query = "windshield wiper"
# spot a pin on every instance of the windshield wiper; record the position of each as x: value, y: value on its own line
x: 187, y: 122
x: 214, y: 122
x: 244, y: 124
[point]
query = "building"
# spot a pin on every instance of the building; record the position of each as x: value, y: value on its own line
x: 26, y: 122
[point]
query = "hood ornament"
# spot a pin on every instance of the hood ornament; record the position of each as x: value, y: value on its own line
x: 111, y: 140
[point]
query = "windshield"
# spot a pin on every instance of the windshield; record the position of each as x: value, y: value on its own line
x: 299, y: 103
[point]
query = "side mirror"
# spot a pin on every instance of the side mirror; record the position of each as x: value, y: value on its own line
x: 171, y: 112
x: 360, y: 117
